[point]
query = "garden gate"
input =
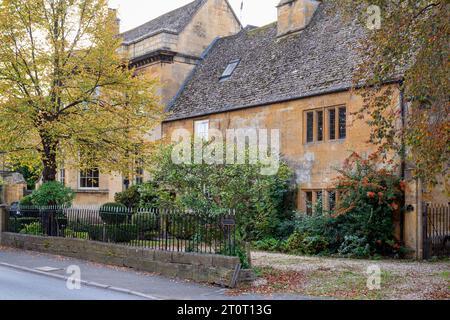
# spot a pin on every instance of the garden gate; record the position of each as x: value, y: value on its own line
x: 436, y: 230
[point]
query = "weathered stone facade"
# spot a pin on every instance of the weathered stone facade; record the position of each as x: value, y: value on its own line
x: 12, y: 186
x: 314, y: 163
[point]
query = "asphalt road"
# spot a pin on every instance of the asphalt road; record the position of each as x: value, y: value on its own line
x: 18, y: 285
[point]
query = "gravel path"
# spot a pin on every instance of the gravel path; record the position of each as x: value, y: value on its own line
x: 347, y: 278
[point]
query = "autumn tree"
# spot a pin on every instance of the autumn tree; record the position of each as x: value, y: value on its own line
x: 66, y: 92
x: 406, y: 40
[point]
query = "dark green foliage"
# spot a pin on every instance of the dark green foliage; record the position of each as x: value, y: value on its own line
x: 151, y: 195
x: 17, y: 224
x: 260, y: 201
x: 130, y: 198
x: 31, y: 174
x: 50, y: 194
x: 354, y: 246
x: 121, y: 233
x: 271, y: 244
x: 181, y: 227
x: 34, y: 228
x: 113, y: 213
x: 27, y: 200
x: 146, y: 221
x: 363, y: 224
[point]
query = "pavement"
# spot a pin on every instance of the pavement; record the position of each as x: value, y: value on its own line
x: 21, y: 285
x: 30, y: 275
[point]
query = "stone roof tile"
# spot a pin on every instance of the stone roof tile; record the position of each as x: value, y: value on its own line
x: 174, y: 21
x: 317, y: 60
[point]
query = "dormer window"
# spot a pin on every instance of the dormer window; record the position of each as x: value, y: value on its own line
x: 229, y: 69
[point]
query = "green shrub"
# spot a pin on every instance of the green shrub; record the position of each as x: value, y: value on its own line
x: 151, y: 195
x: 354, y: 246
x: 294, y: 243
x: 300, y: 243
x: 113, y: 213
x: 315, y: 245
x: 261, y: 201
x: 17, y: 224
x: 95, y: 232
x: 120, y: 233
x: 181, y: 227
x: 68, y: 233
x: 370, y: 198
x: 27, y: 200
x: 146, y: 221
x: 271, y: 244
x: 34, y: 228
x: 52, y: 193
x: 130, y: 198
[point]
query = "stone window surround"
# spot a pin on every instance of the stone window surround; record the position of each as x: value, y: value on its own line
x: 92, y: 177
x: 200, y: 130
x: 314, y: 191
x: 325, y: 124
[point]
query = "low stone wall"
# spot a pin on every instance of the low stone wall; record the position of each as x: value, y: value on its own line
x: 213, y: 269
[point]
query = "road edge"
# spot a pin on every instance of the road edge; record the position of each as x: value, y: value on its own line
x: 83, y: 282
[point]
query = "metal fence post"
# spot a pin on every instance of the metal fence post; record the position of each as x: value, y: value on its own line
x: 425, y: 244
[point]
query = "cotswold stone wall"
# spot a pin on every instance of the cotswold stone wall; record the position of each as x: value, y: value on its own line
x: 213, y: 269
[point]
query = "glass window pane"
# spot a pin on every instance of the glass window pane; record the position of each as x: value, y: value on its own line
x: 201, y: 129
x: 319, y: 125
x: 309, y: 202
x: 332, y: 123
x: 332, y: 200
x: 310, y: 127
x: 342, y: 123
x: 230, y: 69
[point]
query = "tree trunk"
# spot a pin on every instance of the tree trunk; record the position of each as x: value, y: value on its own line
x: 49, y: 160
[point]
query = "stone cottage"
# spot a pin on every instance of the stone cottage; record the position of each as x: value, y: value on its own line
x: 294, y: 75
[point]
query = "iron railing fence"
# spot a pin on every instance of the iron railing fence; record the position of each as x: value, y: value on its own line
x: 159, y: 229
x: 436, y: 230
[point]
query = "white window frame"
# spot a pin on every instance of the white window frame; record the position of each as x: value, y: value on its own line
x: 229, y: 69
x: 62, y: 175
x: 88, y: 188
x: 201, y: 129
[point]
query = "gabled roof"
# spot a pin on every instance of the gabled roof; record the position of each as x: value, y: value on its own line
x: 172, y: 22
x: 318, y: 60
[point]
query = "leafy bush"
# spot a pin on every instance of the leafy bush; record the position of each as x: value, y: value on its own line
x: 68, y: 233
x: 300, y: 243
x: 370, y: 198
x: 130, y: 198
x: 121, y: 233
x: 294, y: 243
x: 354, y: 246
x: 363, y: 222
x: 260, y: 200
x: 315, y: 245
x: 50, y: 194
x: 113, y: 213
x: 27, y: 200
x: 181, y: 228
x: 34, y: 228
x: 152, y: 196
x: 271, y: 244
x: 17, y: 224
x: 146, y: 221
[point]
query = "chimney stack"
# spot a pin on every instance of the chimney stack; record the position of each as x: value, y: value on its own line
x: 113, y: 13
x: 295, y: 15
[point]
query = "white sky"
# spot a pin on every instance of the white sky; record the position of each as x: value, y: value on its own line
x: 133, y: 13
